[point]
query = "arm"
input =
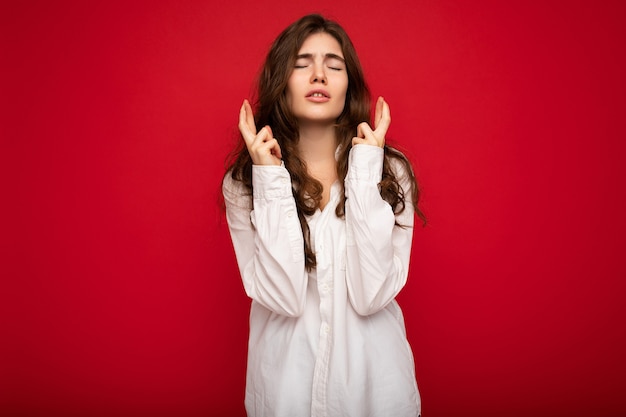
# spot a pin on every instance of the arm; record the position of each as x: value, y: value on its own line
x: 265, y: 229
x: 378, y: 249
x: 267, y: 239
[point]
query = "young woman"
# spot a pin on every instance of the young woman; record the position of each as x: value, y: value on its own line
x: 321, y: 215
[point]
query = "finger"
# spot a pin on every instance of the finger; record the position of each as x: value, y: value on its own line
x: 264, y: 135
x: 244, y: 128
x: 364, y: 131
x: 266, y: 151
x: 269, y: 131
x: 275, y: 150
x: 359, y: 130
x: 379, y: 111
x: 385, y: 119
x: 261, y: 139
x: 275, y: 147
x: 365, y: 135
x: 358, y: 141
x: 249, y: 116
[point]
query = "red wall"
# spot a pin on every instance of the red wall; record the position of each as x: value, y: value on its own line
x: 120, y: 295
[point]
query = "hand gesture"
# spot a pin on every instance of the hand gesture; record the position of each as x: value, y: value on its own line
x: 382, y: 120
x: 263, y: 148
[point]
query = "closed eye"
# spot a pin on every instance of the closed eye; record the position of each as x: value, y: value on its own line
x: 302, y: 62
x: 335, y: 63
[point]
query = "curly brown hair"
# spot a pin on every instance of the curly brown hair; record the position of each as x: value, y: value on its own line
x: 271, y: 109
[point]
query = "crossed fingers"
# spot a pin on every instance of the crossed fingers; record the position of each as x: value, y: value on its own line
x: 263, y: 148
x: 382, y: 121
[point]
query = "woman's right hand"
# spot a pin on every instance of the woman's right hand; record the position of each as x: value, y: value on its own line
x: 263, y: 148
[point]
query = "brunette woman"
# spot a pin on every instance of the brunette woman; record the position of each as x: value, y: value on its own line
x: 321, y: 214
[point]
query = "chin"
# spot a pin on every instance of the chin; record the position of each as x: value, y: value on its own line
x: 318, y: 118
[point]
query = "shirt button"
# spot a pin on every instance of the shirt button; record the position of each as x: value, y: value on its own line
x: 290, y: 213
x: 326, y: 329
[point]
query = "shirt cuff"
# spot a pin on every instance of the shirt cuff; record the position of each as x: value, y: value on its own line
x: 366, y: 163
x: 271, y: 182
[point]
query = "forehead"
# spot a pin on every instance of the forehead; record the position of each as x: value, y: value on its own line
x: 320, y: 44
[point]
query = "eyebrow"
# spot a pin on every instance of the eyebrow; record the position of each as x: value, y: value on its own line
x: 326, y: 56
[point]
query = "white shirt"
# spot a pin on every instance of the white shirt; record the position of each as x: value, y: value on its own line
x: 330, y: 342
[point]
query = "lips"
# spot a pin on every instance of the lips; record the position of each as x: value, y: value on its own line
x: 318, y: 94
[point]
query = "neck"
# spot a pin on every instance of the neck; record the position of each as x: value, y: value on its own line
x: 317, y: 142
x: 317, y: 147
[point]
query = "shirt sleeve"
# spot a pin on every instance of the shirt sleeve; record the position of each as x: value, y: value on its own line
x: 267, y: 238
x: 378, y: 249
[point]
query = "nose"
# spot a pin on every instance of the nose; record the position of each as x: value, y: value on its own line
x: 318, y: 76
x: 319, y: 79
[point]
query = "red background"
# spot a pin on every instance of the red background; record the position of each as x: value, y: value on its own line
x: 120, y: 294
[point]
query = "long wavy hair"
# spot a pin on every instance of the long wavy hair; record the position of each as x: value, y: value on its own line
x: 271, y: 109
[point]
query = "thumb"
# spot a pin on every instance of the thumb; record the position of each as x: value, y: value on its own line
x: 362, y: 129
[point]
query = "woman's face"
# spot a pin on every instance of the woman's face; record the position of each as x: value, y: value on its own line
x: 317, y: 86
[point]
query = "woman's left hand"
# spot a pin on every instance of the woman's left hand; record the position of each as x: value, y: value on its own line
x: 382, y: 120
